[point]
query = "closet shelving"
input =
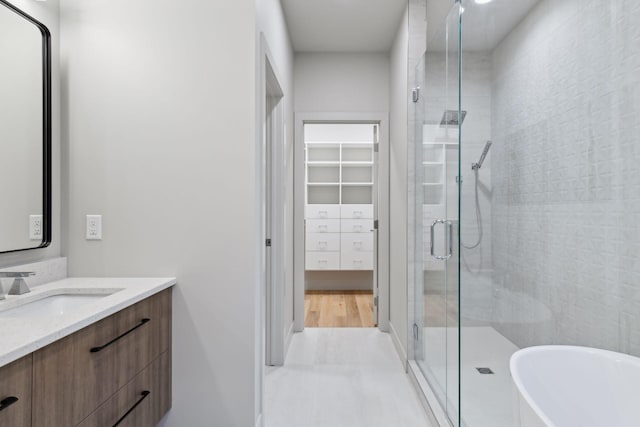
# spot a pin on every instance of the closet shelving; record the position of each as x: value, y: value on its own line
x: 339, y: 205
x: 340, y: 173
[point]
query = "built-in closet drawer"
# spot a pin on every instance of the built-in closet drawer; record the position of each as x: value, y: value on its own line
x: 15, y: 393
x: 322, y: 211
x: 323, y: 242
x: 357, y: 242
x: 323, y: 226
x: 322, y: 260
x: 356, y: 225
x: 75, y: 375
x: 351, y: 260
x: 140, y: 403
x: 356, y: 211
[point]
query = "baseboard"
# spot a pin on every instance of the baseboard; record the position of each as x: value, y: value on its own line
x: 432, y: 407
x: 398, y: 345
x: 339, y: 280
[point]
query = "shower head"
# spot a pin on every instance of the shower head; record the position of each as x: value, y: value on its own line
x: 451, y: 118
x: 478, y: 165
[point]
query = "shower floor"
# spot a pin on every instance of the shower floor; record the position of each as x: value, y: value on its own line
x: 487, y: 399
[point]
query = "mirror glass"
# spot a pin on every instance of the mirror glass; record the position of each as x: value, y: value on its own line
x: 25, y: 214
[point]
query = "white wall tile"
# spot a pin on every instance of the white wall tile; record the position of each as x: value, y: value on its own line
x: 566, y: 175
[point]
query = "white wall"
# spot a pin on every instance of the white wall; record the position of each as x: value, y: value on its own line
x: 398, y: 92
x: 341, y: 82
x: 47, y: 13
x: 159, y: 103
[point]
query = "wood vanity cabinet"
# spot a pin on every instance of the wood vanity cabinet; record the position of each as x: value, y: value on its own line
x: 117, y: 369
x: 15, y: 393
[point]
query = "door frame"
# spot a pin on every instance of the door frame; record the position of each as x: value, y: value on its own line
x: 382, y: 264
x: 272, y: 190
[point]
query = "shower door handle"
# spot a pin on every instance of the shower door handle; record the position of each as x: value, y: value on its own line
x: 449, y: 239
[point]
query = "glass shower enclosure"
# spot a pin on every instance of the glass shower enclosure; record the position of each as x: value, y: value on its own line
x: 524, y: 192
x: 437, y: 170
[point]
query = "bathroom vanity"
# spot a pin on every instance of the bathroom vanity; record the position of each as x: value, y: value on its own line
x: 104, y: 362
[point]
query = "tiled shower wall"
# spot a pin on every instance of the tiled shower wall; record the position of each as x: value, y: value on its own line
x: 566, y: 176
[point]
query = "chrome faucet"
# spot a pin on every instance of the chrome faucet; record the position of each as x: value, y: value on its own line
x: 19, y: 286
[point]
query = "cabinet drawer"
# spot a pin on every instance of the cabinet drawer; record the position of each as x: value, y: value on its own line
x: 323, y: 226
x: 324, y: 242
x: 15, y: 383
x: 356, y: 211
x: 322, y: 261
x: 140, y: 403
x: 322, y: 211
x: 356, y: 242
x: 75, y: 375
x: 350, y: 260
x: 356, y: 225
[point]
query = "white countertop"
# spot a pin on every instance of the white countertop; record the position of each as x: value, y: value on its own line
x: 24, y: 335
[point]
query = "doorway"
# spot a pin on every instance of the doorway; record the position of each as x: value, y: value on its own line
x: 341, y: 218
x: 273, y: 217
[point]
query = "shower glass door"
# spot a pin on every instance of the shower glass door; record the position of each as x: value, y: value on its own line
x: 437, y: 121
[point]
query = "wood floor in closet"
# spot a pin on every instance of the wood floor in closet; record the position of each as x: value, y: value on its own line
x: 331, y: 309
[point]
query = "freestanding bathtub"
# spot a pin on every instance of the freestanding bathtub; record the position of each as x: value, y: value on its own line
x: 566, y: 386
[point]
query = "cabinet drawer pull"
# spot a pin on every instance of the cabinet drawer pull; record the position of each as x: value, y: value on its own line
x: 7, y: 401
x: 102, y: 347
x: 143, y: 395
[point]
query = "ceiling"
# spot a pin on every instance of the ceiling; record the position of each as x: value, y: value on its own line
x: 343, y: 25
x: 483, y: 25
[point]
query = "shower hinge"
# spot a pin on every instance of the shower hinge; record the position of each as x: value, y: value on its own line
x: 458, y: 179
x: 415, y: 94
x: 375, y: 224
x: 268, y: 243
x: 375, y: 300
x: 376, y: 147
x: 415, y: 331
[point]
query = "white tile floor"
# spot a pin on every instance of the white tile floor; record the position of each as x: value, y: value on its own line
x: 341, y: 377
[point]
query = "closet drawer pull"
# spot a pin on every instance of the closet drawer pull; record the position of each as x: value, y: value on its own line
x: 102, y: 347
x: 7, y: 401
x: 144, y: 395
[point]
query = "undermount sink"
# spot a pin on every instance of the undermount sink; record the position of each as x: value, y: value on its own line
x: 562, y: 386
x: 51, y: 304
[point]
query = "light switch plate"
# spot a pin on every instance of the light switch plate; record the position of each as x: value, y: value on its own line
x: 94, y: 227
x: 35, y: 227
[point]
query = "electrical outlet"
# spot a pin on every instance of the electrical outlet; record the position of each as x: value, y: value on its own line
x: 94, y: 227
x: 35, y: 227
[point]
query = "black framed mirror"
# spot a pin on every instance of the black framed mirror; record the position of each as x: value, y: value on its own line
x: 25, y: 131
